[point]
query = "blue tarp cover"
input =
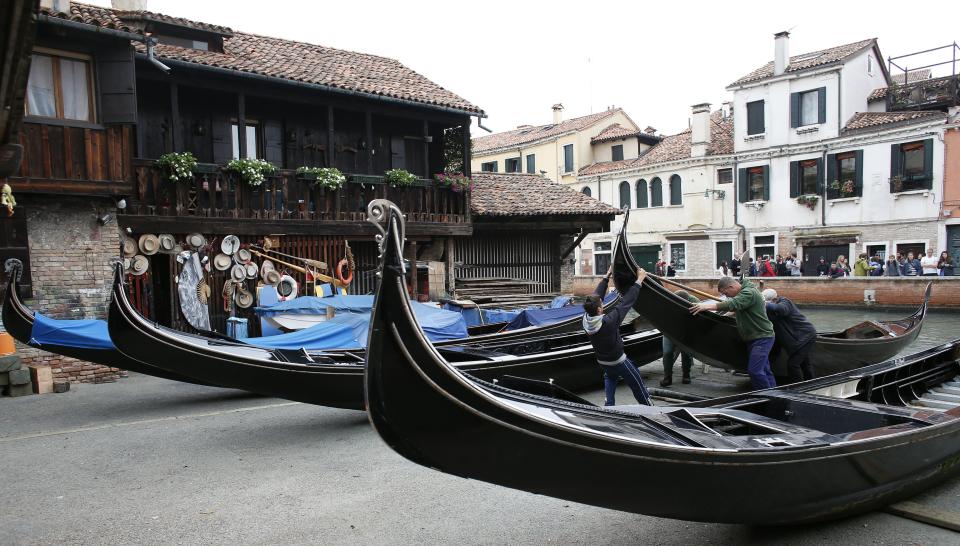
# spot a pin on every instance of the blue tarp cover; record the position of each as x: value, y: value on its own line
x: 312, y: 305
x: 543, y: 317
x: 349, y: 330
x: 83, y: 334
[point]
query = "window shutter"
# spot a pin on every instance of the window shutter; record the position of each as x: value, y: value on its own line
x: 794, y: 178
x: 831, y: 169
x: 222, y: 141
x: 894, y: 162
x: 794, y: 109
x: 928, y: 163
x: 766, y: 182
x: 273, y: 143
x: 822, y: 105
x: 642, y: 194
x: 858, y: 178
x: 820, y: 173
x: 118, y: 89
x: 742, y: 185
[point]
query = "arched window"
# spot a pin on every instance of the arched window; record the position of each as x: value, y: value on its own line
x: 586, y: 191
x: 624, y: 194
x: 656, y: 192
x: 676, y: 190
x: 642, y: 194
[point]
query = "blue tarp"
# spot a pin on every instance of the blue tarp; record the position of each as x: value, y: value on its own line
x: 543, y: 317
x: 349, y: 330
x: 83, y: 334
x: 312, y: 305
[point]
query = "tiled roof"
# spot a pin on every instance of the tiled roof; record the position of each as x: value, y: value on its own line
x: 497, y: 194
x: 807, y: 61
x: 151, y: 17
x: 532, y: 133
x: 673, y: 148
x: 898, y: 79
x: 289, y: 60
x: 614, y: 131
x: 869, y: 120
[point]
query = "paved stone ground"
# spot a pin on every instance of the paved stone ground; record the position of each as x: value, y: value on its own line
x: 152, y: 461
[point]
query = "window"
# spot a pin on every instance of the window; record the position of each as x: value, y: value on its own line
x: 755, y: 123
x: 911, y: 166
x: 642, y: 196
x: 616, y: 152
x: 676, y: 190
x: 586, y: 191
x: 568, y: 158
x: 601, y: 257
x: 624, y: 194
x: 511, y: 165
x: 870, y: 65
x: 678, y: 256
x: 808, y: 107
x: 805, y: 177
x: 845, y: 175
x: 60, y: 87
x: 723, y: 253
x: 879, y: 249
x: 764, y: 245
x: 489, y: 167
x: 531, y: 164
x: 753, y: 184
x: 252, y: 137
x: 724, y: 176
x: 656, y: 193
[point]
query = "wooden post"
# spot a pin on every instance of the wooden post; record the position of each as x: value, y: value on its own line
x: 426, y: 149
x: 175, y: 117
x: 242, y: 124
x: 412, y: 256
x: 466, y: 148
x: 330, y: 136
x: 369, y: 124
x: 450, y: 261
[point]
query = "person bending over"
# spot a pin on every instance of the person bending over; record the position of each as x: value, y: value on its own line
x: 603, y: 330
x: 795, y: 335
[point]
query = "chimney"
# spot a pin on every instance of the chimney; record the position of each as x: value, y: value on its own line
x: 56, y: 6
x: 557, y: 113
x: 727, y: 109
x: 129, y: 5
x: 781, y: 52
x: 700, y: 130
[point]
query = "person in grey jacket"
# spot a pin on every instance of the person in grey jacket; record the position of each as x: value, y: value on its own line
x: 603, y: 331
x: 794, y: 334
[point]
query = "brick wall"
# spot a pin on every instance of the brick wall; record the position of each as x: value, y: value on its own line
x: 70, y: 254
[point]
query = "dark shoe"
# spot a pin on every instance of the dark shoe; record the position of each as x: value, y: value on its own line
x: 666, y: 382
x: 686, y: 380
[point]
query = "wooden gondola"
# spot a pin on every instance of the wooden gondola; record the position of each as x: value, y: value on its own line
x: 18, y: 321
x: 817, y: 450
x: 335, y: 378
x: 713, y: 338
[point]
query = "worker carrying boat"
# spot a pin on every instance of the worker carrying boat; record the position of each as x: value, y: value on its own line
x: 752, y: 325
x: 795, y: 335
x: 603, y: 330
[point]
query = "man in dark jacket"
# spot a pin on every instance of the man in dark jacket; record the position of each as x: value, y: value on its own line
x: 794, y: 334
x: 603, y: 330
x: 671, y: 350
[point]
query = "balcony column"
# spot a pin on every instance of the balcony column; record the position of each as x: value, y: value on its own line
x: 466, y: 148
x: 426, y: 150
x: 449, y: 258
x: 369, y: 150
x: 330, y: 136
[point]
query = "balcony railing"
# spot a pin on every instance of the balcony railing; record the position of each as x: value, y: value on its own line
x: 217, y: 193
x: 928, y: 94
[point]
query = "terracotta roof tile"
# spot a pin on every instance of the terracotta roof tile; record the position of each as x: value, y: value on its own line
x: 869, y: 120
x: 152, y: 17
x: 499, y: 194
x: 673, y: 148
x: 898, y: 79
x: 614, y: 131
x: 289, y: 60
x: 533, y: 133
x: 799, y: 63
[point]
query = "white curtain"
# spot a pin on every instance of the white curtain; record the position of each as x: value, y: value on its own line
x: 41, y: 100
x: 75, y: 89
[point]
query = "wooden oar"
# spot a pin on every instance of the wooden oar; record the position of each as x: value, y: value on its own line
x: 315, y: 274
x: 687, y: 288
x: 312, y: 263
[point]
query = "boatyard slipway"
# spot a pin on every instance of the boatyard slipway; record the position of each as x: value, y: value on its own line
x: 148, y: 460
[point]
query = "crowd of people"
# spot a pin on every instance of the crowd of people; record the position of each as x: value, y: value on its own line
x: 898, y: 265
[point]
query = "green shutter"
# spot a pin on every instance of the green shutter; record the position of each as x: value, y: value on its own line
x: 928, y: 163
x: 831, y: 171
x: 742, y: 185
x: 766, y: 182
x: 822, y: 105
x: 794, y: 178
x: 894, y: 163
x: 820, y: 184
x: 794, y: 109
x: 858, y: 179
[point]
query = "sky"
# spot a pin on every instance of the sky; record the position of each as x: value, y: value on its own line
x: 516, y: 58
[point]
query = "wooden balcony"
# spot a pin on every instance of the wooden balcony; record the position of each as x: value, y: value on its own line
x: 219, y: 201
x: 931, y: 94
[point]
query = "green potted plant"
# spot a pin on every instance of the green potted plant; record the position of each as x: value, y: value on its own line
x: 251, y: 171
x: 843, y: 189
x: 809, y: 201
x: 399, y: 178
x: 455, y: 181
x: 329, y: 178
x: 177, y: 166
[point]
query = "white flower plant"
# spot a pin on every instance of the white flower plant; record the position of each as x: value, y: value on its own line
x: 329, y: 178
x: 399, y: 178
x: 178, y: 166
x: 251, y: 171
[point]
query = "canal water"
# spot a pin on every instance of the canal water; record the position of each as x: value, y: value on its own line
x: 939, y: 326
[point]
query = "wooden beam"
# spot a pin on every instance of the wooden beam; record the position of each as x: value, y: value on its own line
x: 576, y: 243
x: 368, y: 119
x: 253, y: 226
x: 560, y: 227
x: 426, y: 150
x: 466, y: 147
x: 90, y: 188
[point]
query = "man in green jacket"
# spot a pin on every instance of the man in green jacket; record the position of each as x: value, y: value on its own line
x: 752, y: 324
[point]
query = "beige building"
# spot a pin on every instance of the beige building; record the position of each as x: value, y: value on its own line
x: 558, y: 150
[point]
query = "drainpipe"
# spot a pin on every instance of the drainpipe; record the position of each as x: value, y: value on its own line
x: 736, y: 195
x: 480, y: 125
x: 823, y: 198
x: 151, y: 42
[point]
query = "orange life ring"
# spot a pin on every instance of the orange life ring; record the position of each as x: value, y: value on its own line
x: 344, y: 279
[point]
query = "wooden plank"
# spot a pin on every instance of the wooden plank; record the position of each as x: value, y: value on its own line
x: 243, y: 226
x: 91, y: 188
x: 47, y: 168
x: 88, y: 154
x: 55, y: 152
x: 926, y: 514
x: 67, y: 153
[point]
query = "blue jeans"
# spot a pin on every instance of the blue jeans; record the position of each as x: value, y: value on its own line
x: 631, y: 375
x: 758, y: 365
x: 670, y: 352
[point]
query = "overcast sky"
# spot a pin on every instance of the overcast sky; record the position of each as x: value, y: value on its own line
x: 515, y: 59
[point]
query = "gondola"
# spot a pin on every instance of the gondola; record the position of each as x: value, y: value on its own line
x: 713, y: 338
x: 335, y: 378
x: 822, y: 449
x: 18, y: 320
